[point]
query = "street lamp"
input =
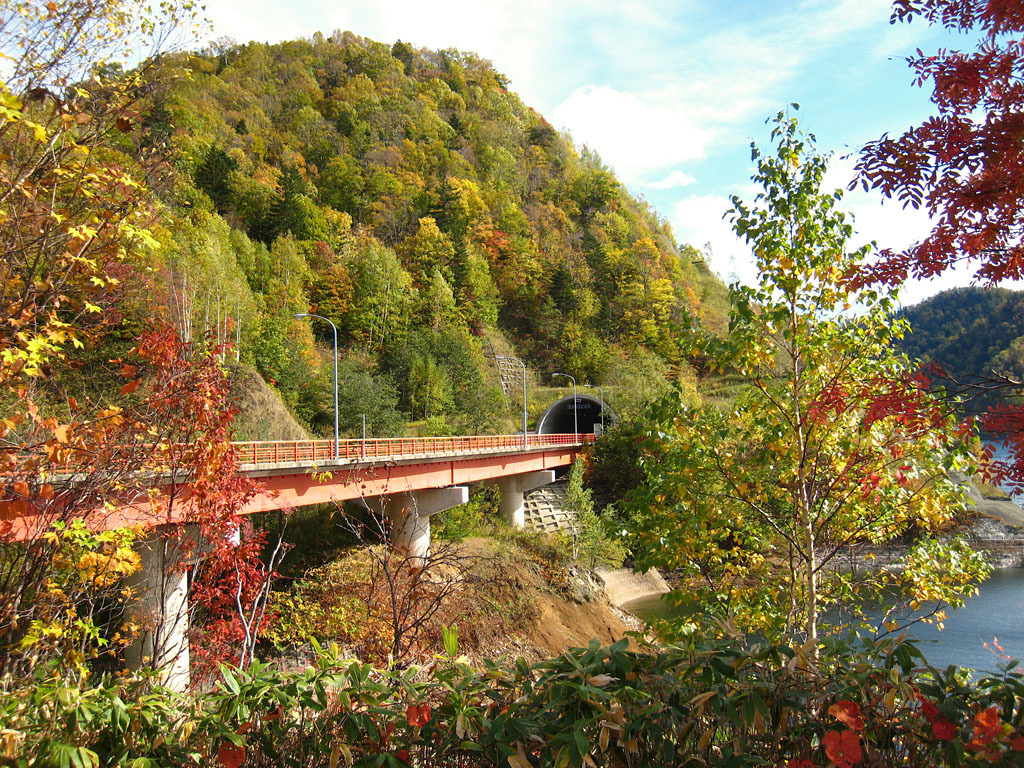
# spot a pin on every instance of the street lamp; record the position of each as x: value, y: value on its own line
x: 575, y: 403
x: 334, y: 328
x: 594, y: 386
x: 507, y: 359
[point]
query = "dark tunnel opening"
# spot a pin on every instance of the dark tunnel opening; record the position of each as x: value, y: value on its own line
x: 558, y: 418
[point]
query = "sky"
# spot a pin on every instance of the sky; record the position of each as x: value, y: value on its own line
x: 670, y: 93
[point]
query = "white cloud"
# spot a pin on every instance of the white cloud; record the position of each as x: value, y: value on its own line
x: 895, y: 228
x: 259, y: 20
x: 708, y: 85
x: 635, y: 136
x: 700, y: 221
x: 674, y: 180
x: 890, y: 226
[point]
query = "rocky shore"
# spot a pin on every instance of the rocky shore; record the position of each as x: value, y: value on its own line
x: 997, y: 529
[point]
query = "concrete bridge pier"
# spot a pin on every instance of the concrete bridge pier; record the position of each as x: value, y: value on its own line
x: 161, y: 609
x: 512, y: 489
x: 410, y: 517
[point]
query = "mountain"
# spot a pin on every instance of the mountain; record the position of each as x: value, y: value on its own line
x: 969, y: 333
x: 409, y: 197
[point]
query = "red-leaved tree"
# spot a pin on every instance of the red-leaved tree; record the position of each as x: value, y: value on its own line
x: 186, y: 405
x: 963, y: 165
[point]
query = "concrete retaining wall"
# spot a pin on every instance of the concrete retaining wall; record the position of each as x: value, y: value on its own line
x: 623, y: 585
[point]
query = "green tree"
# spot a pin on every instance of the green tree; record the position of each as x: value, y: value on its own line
x: 382, y: 291
x: 429, y: 388
x: 438, y: 302
x: 212, y: 176
x: 362, y: 391
x: 588, y: 535
x: 833, y: 442
x: 427, y: 250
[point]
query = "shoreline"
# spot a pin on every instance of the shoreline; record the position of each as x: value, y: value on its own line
x: 997, y: 529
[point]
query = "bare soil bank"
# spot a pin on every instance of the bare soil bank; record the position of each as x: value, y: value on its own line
x: 524, y: 607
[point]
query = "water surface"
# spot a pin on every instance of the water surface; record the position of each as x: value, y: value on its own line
x: 997, y: 612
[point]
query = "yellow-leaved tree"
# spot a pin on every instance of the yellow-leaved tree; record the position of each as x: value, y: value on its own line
x: 835, y: 441
x: 73, y: 244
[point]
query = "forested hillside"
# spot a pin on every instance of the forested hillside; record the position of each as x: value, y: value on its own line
x: 413, y: 200
x: 969, y: 332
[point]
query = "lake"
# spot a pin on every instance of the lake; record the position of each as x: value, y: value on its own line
x: 997, y: 612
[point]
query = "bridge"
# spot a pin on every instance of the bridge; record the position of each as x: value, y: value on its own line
x: 294, y: 474
x: 407, y: 479
x: 410, y: 479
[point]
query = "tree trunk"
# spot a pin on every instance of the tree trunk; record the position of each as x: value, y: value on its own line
x: 812, y: 580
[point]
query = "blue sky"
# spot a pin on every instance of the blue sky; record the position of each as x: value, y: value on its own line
x: 670, y: 93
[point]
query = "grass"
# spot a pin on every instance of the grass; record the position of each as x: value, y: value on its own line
x: 262, y: 415
x: 721, y: 389
x: 990, y: 491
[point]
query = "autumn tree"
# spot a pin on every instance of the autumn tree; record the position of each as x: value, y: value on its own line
x: 962, y: 164
x: 70, y: 214
x: 405, y: 593
x: 962, y: 170
x: 76, y: 256
x: 834, y: 442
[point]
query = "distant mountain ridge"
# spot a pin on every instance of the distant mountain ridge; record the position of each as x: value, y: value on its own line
x: 969, y: 332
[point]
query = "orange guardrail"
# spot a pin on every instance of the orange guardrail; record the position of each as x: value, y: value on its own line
x: 312, y: 451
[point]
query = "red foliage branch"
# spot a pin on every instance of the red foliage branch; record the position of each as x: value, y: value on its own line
x: 964, y: 164
x: 964, y: 171
x: 230, y: 579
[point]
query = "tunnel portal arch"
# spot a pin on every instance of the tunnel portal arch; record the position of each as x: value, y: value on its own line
x: 558, y: 418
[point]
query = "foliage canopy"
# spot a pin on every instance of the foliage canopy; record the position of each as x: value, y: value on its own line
x: 834, y: 442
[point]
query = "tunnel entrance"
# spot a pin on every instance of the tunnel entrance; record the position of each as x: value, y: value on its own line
x: 558, y: 418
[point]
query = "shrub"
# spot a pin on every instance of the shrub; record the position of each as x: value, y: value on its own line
x: 717, y: 704
x: 465, y: 520
x: 590, y: 538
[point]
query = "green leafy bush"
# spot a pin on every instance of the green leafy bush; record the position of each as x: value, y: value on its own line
x: 719, y: 704
x: 465, y: 520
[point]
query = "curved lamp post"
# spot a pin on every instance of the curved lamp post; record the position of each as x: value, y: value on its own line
x: 334, y: 328
x: 575, y: 403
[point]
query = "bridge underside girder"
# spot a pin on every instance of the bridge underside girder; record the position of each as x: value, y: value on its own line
x: 282, y: 491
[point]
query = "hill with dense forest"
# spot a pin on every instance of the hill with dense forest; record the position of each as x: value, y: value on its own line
x: 410, y: 198
x: 969, y: 332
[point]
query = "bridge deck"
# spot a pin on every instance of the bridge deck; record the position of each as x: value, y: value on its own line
x: 291, y: 476
x: 301, y: 473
